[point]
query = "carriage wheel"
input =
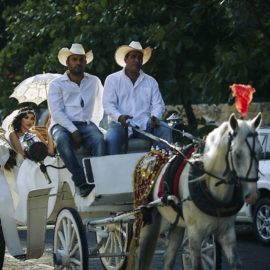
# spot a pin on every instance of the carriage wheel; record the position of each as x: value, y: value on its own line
x: 70, y: 249
x: 2, y: 247
x: 117, y: 242
x: 210, y: 254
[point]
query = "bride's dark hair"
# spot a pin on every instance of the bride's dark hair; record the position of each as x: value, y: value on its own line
x: 17, y: 121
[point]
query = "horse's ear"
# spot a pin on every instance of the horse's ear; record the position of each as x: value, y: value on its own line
x: 257, y: 121
x: 233, y: 122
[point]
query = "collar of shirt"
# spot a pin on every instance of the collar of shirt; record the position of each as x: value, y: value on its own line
x: 138, y: 81
x: 65, y: 77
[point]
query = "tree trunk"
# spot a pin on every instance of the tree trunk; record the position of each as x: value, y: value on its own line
x: 192, y: 121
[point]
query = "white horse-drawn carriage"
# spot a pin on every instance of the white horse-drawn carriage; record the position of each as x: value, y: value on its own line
x: 29, y: 200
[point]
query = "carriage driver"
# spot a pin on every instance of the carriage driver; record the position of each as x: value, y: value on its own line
x: 75, y: 103
x: 131, y: 95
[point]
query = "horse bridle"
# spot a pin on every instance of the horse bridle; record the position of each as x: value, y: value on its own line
x: 229, y: 159
x: 253, y: 158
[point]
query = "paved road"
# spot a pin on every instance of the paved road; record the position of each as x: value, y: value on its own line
x: 253, y: 254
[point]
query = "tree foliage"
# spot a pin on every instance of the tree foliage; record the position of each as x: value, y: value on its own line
x: 200, y: 46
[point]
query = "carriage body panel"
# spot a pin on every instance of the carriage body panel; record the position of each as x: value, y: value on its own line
x: 32, y: 201
x: 113, y: 177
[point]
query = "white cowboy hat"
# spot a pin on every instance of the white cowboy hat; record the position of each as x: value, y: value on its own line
x: 123, y: 50
x: 64, y: 53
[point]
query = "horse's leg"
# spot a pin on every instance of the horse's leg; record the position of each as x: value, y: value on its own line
x: 175, y: 238
x: 147, y: 243
x: 149, y: 236
x: 228, y: 242
x: 195, y: 243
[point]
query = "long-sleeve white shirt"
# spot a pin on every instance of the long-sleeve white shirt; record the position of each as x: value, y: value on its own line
x: 65, y: 100
x: 140, y: 100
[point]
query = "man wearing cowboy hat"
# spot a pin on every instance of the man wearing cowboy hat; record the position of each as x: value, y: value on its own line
x: 133, y: 96
x: 75, y: 103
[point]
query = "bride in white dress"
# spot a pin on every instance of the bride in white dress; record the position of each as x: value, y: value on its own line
x: 29, y: 176
x: 21, y: 126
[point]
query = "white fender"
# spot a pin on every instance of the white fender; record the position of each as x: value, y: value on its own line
x: 7, y: 219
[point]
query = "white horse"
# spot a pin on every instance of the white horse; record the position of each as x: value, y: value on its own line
x: 228, y: 177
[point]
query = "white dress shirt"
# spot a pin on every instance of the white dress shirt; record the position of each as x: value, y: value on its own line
x: 140, y: 100
x: 69, y: 101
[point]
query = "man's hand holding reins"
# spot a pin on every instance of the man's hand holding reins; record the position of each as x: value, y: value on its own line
x: 154, y: 121
x: 122, y: 119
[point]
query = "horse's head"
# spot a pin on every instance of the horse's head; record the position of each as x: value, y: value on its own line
x: 243, y: 154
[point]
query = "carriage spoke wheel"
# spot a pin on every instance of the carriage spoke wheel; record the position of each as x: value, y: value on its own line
x: 70, y: 248
x: 119, y: 236
x: 210, y: 254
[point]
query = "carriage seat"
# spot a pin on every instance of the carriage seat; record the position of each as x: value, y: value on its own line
x: 135, y: 145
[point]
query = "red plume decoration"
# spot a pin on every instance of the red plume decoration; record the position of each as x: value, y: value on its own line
x: 243, y: 96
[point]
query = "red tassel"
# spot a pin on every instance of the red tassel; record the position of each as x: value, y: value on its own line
x: 243, y: 96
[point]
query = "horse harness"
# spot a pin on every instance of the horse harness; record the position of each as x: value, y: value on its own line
x: 169, y: 183
x: 199, y: 193
x: 202, y: 198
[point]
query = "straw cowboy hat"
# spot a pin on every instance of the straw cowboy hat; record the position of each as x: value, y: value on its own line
x: 123, y: 50
x: 64, y: 53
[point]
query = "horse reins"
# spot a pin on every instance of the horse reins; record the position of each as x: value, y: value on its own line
x: 228, y: 155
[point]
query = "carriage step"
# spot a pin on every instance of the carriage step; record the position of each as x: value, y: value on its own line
x: 21, y: 257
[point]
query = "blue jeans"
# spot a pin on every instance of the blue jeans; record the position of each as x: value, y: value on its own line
x: 115, y: 137
x: 92, y: 141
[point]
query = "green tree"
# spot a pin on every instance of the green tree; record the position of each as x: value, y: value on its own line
x: 200, y: 46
